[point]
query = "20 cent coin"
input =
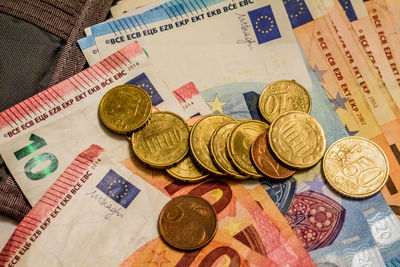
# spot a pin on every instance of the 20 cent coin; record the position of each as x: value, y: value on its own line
x: 218, y: 148
x: 200, y: 138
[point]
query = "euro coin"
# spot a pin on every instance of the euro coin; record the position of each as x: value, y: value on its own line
x: 282, y: 96
x: 186, y: 170
x: 164, y: 141
x: 297, y: 139
x: 239, y: 143
x: 200, y: 138
x: 264, y: 160
x: 218, y: 147
x: 356, y: 167
x: 187, y: 222
x: 125, y: 108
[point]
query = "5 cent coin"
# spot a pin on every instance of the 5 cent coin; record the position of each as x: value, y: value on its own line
x: 187, y: 222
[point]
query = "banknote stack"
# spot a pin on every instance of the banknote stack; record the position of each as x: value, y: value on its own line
x: 213, y: 68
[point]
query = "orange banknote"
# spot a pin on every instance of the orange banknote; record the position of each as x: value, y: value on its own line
x: 239, y: 215
x: 348, y: 90
x: 378, y: 51
x: 224, y: 250
x: 380, y: 101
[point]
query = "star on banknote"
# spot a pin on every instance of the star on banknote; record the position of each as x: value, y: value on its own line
x: 217, y: 105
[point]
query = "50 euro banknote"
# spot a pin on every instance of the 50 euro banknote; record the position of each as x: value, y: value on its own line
x: 343, y: 82
x: 82, y: 208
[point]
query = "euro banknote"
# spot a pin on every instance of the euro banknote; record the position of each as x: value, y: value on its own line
x: 386, y: 71
x: 385, y: 29
x: 342, y: 85
x: 239, y: 215
x: 276, y: 59
x: 239, y: 99
x: 378, y: 54
x: 161, y: 10
x: 129, y: 7
x: 393, y: 7
x: 114, y: 212
x: 25, y: 132
x: 352, y: 238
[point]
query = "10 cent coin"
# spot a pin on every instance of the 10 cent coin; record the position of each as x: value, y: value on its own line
x: 163, y: 142
x: 297, y: 139
x: 282, y: 96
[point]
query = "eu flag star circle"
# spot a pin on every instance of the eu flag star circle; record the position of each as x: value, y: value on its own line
x: 264, y: 24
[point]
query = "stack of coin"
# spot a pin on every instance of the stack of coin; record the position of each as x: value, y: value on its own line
x: 219, y: 145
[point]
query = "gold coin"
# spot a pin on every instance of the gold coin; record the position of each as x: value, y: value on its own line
x: 163, y: 142
x: 356, y: 167
x: 125, y: 108
x: 239, y: 144
x: 200, y: 138
x: 282, y: 96
x: 218, y: 147
x: 186, y: 170
x: 297, y: 139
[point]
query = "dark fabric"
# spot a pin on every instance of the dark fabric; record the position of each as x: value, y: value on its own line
x: 12, y: 202
x: 38, y: 48
x: 27, y: 53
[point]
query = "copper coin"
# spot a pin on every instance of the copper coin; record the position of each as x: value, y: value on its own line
x: 193, y: 120
x: 187, y: 222
x: 264, y: 160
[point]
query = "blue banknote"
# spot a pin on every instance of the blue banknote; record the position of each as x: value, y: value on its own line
x: 336, y: 231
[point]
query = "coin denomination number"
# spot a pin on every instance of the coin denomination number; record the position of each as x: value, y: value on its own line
x: 365, y: 173
x: 275, y: 103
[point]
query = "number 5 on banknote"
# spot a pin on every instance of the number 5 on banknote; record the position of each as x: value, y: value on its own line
x: 37, y: 161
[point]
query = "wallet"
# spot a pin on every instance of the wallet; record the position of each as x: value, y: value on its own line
x: 38, y: 49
